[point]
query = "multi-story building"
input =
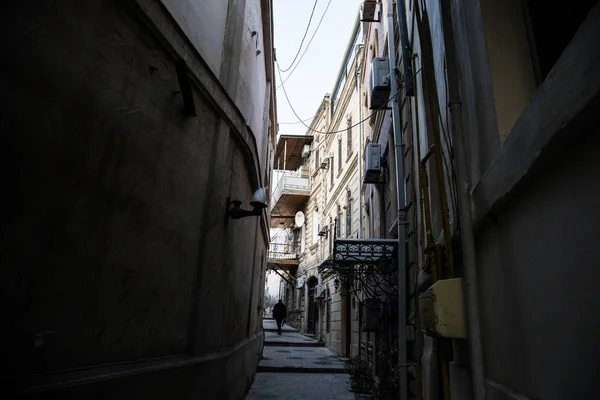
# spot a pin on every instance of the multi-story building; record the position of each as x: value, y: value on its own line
x: 126, y: 128
x: 499, y: 133
x: 495, y: 145
x: 319, y: 304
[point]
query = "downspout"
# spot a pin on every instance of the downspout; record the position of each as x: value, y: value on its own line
x: 464, y: 202
x: 405, y: 47
x: 360, y: 142
x: 401, y: 200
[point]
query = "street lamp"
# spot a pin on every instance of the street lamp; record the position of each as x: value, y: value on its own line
x: 258, y: 203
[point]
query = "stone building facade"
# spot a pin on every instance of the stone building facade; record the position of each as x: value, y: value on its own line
x: 510, y: 90
x: 316, y: 306
x: 495, y: 134
x: 126, y: 126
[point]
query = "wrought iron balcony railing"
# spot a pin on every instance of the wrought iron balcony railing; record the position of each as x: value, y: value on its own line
x: 282, y: 251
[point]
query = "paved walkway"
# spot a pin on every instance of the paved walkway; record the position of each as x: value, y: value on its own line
x: 270, y: 325
x: 296, y: 367
x: 294, y: 386
x: 300, y: 359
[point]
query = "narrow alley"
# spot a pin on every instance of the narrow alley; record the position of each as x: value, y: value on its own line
x: 412, y: 185
x: 295, y: 366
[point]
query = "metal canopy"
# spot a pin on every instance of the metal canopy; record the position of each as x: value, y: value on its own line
x: 367, y: 265
x: 364, y: 251
x: 292, y: 152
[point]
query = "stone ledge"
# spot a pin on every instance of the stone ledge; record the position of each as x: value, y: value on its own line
x: 38, y: 383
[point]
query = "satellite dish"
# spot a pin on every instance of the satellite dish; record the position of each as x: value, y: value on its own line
x: 299, y: 219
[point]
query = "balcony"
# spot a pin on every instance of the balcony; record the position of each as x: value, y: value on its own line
x: 282, y: 251
x: 290, y: 193
x: 283, y: 256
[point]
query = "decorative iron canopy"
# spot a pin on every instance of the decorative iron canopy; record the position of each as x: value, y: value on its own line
x: 365, y: 251
x: 367, y: 265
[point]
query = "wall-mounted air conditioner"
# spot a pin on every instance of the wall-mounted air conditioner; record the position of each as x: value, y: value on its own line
x: 306, y: 150
x: 369, y: 12
x: 373, y: 163
x: 325, y: 163
x: 320, y: 291
x: 380, y: 83
x: 322, y: 229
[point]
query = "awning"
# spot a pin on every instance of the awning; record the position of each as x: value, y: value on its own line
x: 367, y: 265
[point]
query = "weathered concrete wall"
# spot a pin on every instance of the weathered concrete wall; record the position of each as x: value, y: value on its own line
x: 116, y: 247
x: 539, y: 278
x: 204, y: 24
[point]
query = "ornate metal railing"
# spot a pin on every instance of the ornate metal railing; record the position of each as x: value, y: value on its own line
x: 282, y: 251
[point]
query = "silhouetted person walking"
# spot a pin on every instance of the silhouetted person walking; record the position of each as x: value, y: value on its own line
x: 279, y: 313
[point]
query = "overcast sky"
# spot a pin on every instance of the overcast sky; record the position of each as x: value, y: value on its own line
x: 317, y: 70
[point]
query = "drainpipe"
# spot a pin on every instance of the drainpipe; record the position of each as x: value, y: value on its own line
x: 400, y: 195
x: 360, y: 143
x: 284, y: 153
x: 405, y: 47
x: 464, y: 202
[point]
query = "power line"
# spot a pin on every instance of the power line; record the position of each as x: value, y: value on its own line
x: 307, y: 46
x: 303, y: 37
x: 359, y: 122
x: 295, y: 123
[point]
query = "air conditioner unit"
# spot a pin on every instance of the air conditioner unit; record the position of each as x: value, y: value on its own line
x: 320, y: 291
x: 306, y: 150
x: 380, y: 83
x: 322, y: 229
x: 369, y: 9
x: 373, y: 163
x: 325, y: 163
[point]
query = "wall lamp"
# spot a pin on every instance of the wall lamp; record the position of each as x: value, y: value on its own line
x: 336, y: 284
x: 234, y: 207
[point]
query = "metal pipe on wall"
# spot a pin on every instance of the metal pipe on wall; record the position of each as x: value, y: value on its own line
x: 401, y: 200
x: 464, y: 203
x: 360, y: 142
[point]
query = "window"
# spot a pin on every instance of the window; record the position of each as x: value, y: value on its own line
x: 331, y: 173
x: 330, y: 236
x: 348, y: 214
x: 349, y: 138
x: 524, y: 39
x: 550, y: 31
x: 338, y: 222
x: 317, y: 159
x: 328, y: 312
x: 339, y: 154
x: 315, y: 227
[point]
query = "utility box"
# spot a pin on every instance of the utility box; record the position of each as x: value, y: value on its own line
x: 371, y: 311
x: 380, y: 83
x: 373, y: 163
x: 442, y: 309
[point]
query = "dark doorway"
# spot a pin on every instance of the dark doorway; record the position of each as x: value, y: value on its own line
x: 311, y: 327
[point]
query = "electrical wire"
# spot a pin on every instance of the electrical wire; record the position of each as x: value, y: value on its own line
x: 303, y: 38
x: 294, y: 123
x: 359, y: 122
x: 307, y: 46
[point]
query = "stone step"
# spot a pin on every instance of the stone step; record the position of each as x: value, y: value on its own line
x: 306, y: 370
x: 300, y: 359
x: 292, y: 344
x: 282, y: 330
